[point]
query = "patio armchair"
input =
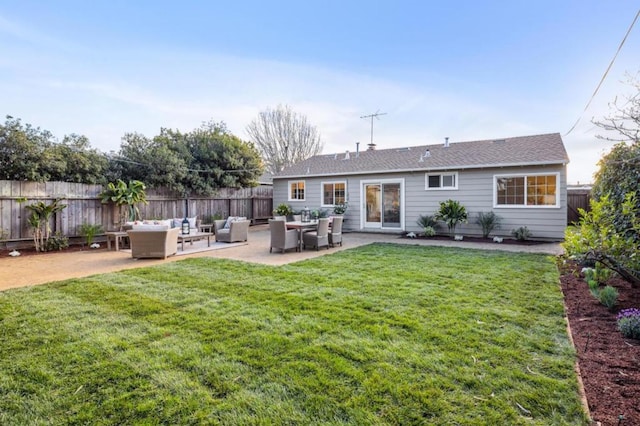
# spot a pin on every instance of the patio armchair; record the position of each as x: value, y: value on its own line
x: 150, y: 244
x: 335, y: 234
x: 318, y: 238
x: 281, y: 238
x: 237, y: 231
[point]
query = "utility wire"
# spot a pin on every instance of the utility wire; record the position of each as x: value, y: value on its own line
x: 124, y: 160
x: 604, y: 76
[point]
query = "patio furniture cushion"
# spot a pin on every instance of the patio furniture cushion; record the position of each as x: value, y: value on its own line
x: 193, y: 222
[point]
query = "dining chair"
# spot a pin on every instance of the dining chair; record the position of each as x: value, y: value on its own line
x: 281, y: 238
x: 335, y: 235
x: 318, y: 238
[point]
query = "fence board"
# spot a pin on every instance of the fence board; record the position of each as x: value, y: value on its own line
x: 84, y: 206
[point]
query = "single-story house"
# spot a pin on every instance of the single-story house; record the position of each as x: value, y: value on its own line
x: 522, y: 179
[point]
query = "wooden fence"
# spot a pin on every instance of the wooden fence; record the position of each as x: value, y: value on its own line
x: 577, y: 199
x: 84, y: 206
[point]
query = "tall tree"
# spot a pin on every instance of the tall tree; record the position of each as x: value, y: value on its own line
x: 29, y: 153
x: 22, y: 150
x: 283, y: 137
x: 74, y: 160
x: 198, y: 162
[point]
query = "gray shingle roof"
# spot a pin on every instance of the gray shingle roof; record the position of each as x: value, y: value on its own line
x: 518, y: 151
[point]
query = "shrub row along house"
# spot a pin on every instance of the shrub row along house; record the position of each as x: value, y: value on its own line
x: 521, y: 179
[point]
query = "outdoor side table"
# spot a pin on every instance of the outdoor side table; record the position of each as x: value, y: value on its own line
x: 117, y: 236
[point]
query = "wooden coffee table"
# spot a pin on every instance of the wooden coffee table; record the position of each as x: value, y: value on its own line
x: 195, y: 236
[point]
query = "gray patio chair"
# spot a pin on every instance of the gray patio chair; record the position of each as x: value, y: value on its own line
x: 318, y: 238
x: 335, y: 235
x: 281, y: 238
x: 237, y: 231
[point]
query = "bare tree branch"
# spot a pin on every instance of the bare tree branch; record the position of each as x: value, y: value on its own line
x: 624, y: 119
x: 283, y: 137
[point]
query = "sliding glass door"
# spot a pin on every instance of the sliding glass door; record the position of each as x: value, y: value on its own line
x: 383, y: 205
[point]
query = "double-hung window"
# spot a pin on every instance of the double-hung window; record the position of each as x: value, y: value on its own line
x: 334, y: 193
x: 296, y: 190
x: 533, y: 190
x: 441, y: 181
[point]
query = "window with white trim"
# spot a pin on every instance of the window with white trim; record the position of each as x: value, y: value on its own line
x: 534, y: 190
x: 441, y: 181
x: 296, y: 190
x: 334, y: 193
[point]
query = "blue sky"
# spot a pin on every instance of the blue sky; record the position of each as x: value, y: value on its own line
x: 466, y: 70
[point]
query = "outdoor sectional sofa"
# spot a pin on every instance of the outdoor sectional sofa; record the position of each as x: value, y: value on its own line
x: 147, y: 242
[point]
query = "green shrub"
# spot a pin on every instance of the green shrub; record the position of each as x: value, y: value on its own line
x: 56, y: 242
x: 608, y: 296
x: 594, y: 288
x: 522, y: 233
x: 488, y: 221
x: 629, y: 323
x: 89, y: 231
x: 452, y: 213
x: 429, y: 231
x: 426, y: 221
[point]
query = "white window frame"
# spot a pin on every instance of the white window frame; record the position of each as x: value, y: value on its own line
x: 441, y: 188
x: 525, y: 206
x: 289, y: 183
x: 332, y: 182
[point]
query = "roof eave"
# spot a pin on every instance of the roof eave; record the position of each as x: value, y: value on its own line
x: 427, y: 169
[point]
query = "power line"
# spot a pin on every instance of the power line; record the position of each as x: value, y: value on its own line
x: 125, y: 160
x: 604, y: 76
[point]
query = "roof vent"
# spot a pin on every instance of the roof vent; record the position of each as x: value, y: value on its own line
x: 346, y: 155
x: 371, y: 146
x: 499, y: 141
x: 446, y: 142
x: 427, y: 153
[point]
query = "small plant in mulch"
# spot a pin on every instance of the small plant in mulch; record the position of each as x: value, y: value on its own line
x: 629, y: 323
x: 521, y: 234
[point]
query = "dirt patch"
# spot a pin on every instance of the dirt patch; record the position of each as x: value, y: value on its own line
x: 609, y: 363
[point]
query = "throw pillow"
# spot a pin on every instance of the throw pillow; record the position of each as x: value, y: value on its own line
x: 192, y: 222
x: 227, y: 224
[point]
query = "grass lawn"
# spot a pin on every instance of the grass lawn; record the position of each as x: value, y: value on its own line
x: 381, y: 334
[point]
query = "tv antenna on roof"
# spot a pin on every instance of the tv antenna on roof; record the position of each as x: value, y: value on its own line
x: 371, y: 116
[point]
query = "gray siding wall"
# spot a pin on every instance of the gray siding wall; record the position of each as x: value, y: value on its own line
x: 475, y: 192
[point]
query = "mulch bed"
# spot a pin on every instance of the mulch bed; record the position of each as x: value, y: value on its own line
x: 609, y: 363
x: 508, y: 241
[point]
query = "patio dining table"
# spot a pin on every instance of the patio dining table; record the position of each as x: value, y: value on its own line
x: 302, y: 227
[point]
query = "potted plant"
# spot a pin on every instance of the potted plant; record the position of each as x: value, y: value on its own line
x: 126, y: 197
x: 283, y: 210
x: 340, y: 208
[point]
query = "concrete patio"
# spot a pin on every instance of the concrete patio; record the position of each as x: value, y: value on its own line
x: 32, y: 270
